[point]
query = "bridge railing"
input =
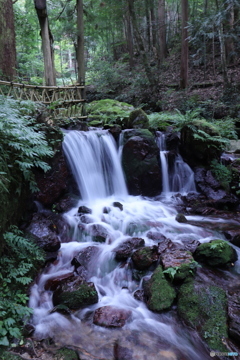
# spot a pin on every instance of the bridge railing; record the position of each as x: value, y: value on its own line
x: 62, y: 100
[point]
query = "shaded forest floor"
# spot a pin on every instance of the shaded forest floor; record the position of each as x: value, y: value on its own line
x: 206, y: 88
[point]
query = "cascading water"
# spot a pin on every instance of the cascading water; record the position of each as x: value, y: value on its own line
x: 181, y: 178
x: 146, y: 335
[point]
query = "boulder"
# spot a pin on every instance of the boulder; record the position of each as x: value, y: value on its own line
x: 155, y: 235
x: 158, y: 292
x: 216, y: 253
x: 125, y: 250
x: 178, y: 264
x: 138, y: 120
x: 234, y: 315
x: 98, y: 232
x: 168, y: 245
x: 85, y: 257
x: 140, y: 160
x: 144, y: 257
x: 233, y: 236
x: 110, y: 316
x: 75, y: 295
x: 204, y: 308
x: 197, y: 151
x: 180, y: 218
x: 54, y: 183
x: 84, y: 210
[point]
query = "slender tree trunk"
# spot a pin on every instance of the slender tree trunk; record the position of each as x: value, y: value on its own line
x: 162, y: 31
x: 47, y: 41
x: 184, y: 48
x: 7, y: 41
x: 80, y: 42
x: 129, y: 36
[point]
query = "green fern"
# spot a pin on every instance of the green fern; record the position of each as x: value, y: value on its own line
x: 17, y: 266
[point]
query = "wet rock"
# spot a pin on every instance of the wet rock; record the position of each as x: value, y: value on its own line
x: 190, y: 245
x: 76, y: 295
x: 158, y: 292
x: 53, y: 184
x: 180, y: 218
x: 98, y: 232
x: 204, y: 307
x: 123, y: 353
x: 234, y: 315
x: 48, y: 227
x: 145, y: 257
x: 178, y: 264
x: 140, y: 163
x: 168, y: 245
x: 233, y: 236
x: 125, y: 250
x: 216, y: 253
x: 155, y: 235
x: 53, y: 283
x: 212, y: 189
x: 115, y: 130
x: 139, y: 295
x: 64, y: 204
x: 84, y: 210
x: 85, y: 257
x: 109, y: 316
x: 118, y: 205
x: 106, y: 210
x: 86, y: 219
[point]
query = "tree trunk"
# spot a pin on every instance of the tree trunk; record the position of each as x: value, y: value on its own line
x: 80, y: 42
x: 47, y: 41
x: 162, y: 31
x: 7, y: 41
x: 184, y: 48
x: 129, y: 36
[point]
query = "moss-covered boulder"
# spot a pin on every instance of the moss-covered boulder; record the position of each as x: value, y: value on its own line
x: 216, y: 253
x: 158, y: 292
x: 84, y: 295
x: 178, y: 264
x: 140, y: 160
x: 145, y: 257
x: 204, y: 307
x: 108, y: 111
x: 138, y: 120
x: 200, y: 143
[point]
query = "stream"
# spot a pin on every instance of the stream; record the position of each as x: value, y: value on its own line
x: 95, y: 162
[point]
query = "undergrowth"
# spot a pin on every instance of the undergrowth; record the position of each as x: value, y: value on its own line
x: 18, y: 265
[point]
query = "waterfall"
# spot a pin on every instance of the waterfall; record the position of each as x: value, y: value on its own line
x: 95, y: 164
x: 178, y: 179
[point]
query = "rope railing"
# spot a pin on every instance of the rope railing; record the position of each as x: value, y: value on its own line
x: 69, y: 98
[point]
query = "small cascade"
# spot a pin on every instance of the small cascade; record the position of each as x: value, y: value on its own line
x: 93, y: 159
x: 96, y: 166
x: 180, y: 178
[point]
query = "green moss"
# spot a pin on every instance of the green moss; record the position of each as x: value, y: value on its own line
x: 5, y: 355
x: 109, y: 111
x: 138, y: 119
x: 95, y: 123
x: 204, y: 307
x: 85, y: 295
x: 216, y: 253
x: 160, y: 293
x: 66, y: 354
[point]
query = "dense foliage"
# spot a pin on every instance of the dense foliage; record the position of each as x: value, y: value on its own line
x: 17, y: 267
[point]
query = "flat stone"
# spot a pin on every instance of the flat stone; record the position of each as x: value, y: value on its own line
x: 109, y: 316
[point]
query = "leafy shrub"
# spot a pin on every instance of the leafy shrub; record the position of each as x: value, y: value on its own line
x: 226, y: 128
x: 23, y: 146
x: 17, y: 266
x: 222, y: 173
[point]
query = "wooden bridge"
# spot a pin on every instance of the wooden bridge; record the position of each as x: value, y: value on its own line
x: 62, y: 101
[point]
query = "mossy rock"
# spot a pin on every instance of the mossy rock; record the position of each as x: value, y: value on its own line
x: 216, y: 253
x: 159, y: 292
x: 140, y: 160
x: 66, y: 354
x: 95, y: 123
x: 138, y: 119
x: 204, y: 307
x: 144, y: 257
x: 85, y: 295
x: 109, y: 111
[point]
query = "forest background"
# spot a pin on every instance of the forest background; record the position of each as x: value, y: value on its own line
x: 143, y: 52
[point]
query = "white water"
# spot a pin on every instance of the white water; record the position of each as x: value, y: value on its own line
x: 181, y: 178
x: 95, y: 164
